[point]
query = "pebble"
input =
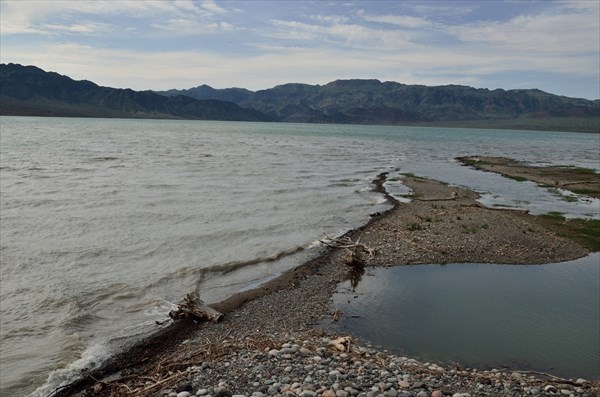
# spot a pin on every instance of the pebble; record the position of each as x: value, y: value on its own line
x: 363, y: 372
x: 404, y: 384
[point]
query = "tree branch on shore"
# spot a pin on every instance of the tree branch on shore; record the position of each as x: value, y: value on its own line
x: 358, y: 253
x: 453, y: 196
x: 578, y: 183
x: 477, y: 205
x: 192, y: 306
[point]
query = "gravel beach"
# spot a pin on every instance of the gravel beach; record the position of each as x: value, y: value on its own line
x: 267, y: 344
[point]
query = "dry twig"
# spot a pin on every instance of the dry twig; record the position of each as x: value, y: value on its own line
x: 358, y: 251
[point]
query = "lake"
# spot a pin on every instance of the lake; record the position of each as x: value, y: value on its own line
x: 107, y: 223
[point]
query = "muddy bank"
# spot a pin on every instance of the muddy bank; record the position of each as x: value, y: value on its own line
x: 441, y: 224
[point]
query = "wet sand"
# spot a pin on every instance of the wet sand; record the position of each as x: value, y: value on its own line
x: 441, y: 224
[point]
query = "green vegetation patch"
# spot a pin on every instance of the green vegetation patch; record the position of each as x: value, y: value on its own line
x: 584, y: 231
x: 583, y: 170
x: 411, y: 175
x: 516, y: 178
x: 555, y: 215
x: 416, y: 226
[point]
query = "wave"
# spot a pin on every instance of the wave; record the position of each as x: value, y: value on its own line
x: 91, y: 358
x: 201, y: 274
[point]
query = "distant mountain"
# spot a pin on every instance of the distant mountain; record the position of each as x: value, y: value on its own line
x: 28, y: 90
x: 374, y: 102
x: 204, y: 91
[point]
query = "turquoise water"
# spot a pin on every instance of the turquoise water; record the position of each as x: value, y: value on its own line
x: 536, y: 317
x: 106, y: 223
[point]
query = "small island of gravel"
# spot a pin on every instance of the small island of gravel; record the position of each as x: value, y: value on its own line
x: 267, y: 344
x: 578, y: 180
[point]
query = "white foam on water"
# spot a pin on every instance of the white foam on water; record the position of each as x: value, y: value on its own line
x: 90, y: 359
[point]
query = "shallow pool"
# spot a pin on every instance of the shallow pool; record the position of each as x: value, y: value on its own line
x: 535, y: 317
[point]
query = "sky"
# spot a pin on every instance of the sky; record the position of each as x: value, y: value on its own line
x: 162, y: 44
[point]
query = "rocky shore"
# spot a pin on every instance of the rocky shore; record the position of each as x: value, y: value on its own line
x: 267, y: 344
x: 310, y: 366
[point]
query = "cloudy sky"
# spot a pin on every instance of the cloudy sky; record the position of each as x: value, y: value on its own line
x: 161, y: 44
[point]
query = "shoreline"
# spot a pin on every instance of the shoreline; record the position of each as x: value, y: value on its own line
x: 284, y: 310
x: 583, y: 181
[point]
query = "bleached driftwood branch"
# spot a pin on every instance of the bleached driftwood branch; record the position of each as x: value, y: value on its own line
x: 577, y: 183
x: 453, y: 196
x: 192, y: 306
x: 359, y: 253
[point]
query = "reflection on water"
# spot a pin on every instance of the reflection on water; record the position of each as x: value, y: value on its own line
x: 355, y: 276
x: 538, y: 317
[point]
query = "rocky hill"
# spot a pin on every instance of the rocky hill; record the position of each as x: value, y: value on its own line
x: 30, y: 91
x: 375, y: 102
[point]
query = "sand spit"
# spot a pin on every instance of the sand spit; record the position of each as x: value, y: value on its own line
x: 267, y: 344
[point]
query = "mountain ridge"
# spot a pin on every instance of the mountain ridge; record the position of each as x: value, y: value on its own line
x: 29, y: 90
x: 364, y: 100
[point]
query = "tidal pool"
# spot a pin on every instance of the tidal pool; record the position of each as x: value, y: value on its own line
x: 527, y: 317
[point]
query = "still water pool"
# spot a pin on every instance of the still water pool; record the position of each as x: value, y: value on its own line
x: 538, y: 317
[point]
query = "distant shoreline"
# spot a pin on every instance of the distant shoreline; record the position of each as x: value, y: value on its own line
x: 288, y: 306
x: 558, y: 124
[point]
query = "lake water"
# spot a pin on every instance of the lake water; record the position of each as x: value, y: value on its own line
x: 105, y: 224
x: 539, y: 317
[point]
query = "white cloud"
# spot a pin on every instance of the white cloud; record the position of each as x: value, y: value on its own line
x: 332, y: 19
x: 211, y: 6
x: 30, y: 16
x: 548, y: 32
x: 190, y: 26
x: 399, y: 20
x: 351, y: 35
x: 443, y: 10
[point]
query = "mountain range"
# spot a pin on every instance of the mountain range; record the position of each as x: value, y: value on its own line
x: 28, y: 90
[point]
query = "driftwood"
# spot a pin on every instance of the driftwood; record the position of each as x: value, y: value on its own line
x: 337, y: 315
x: 578, y: 183
x: 358, y: 253
x: 192, y: 306
x: 477, y: 205
x: 342, y: 343
x: 550, y: 377
x: 453, y: 196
